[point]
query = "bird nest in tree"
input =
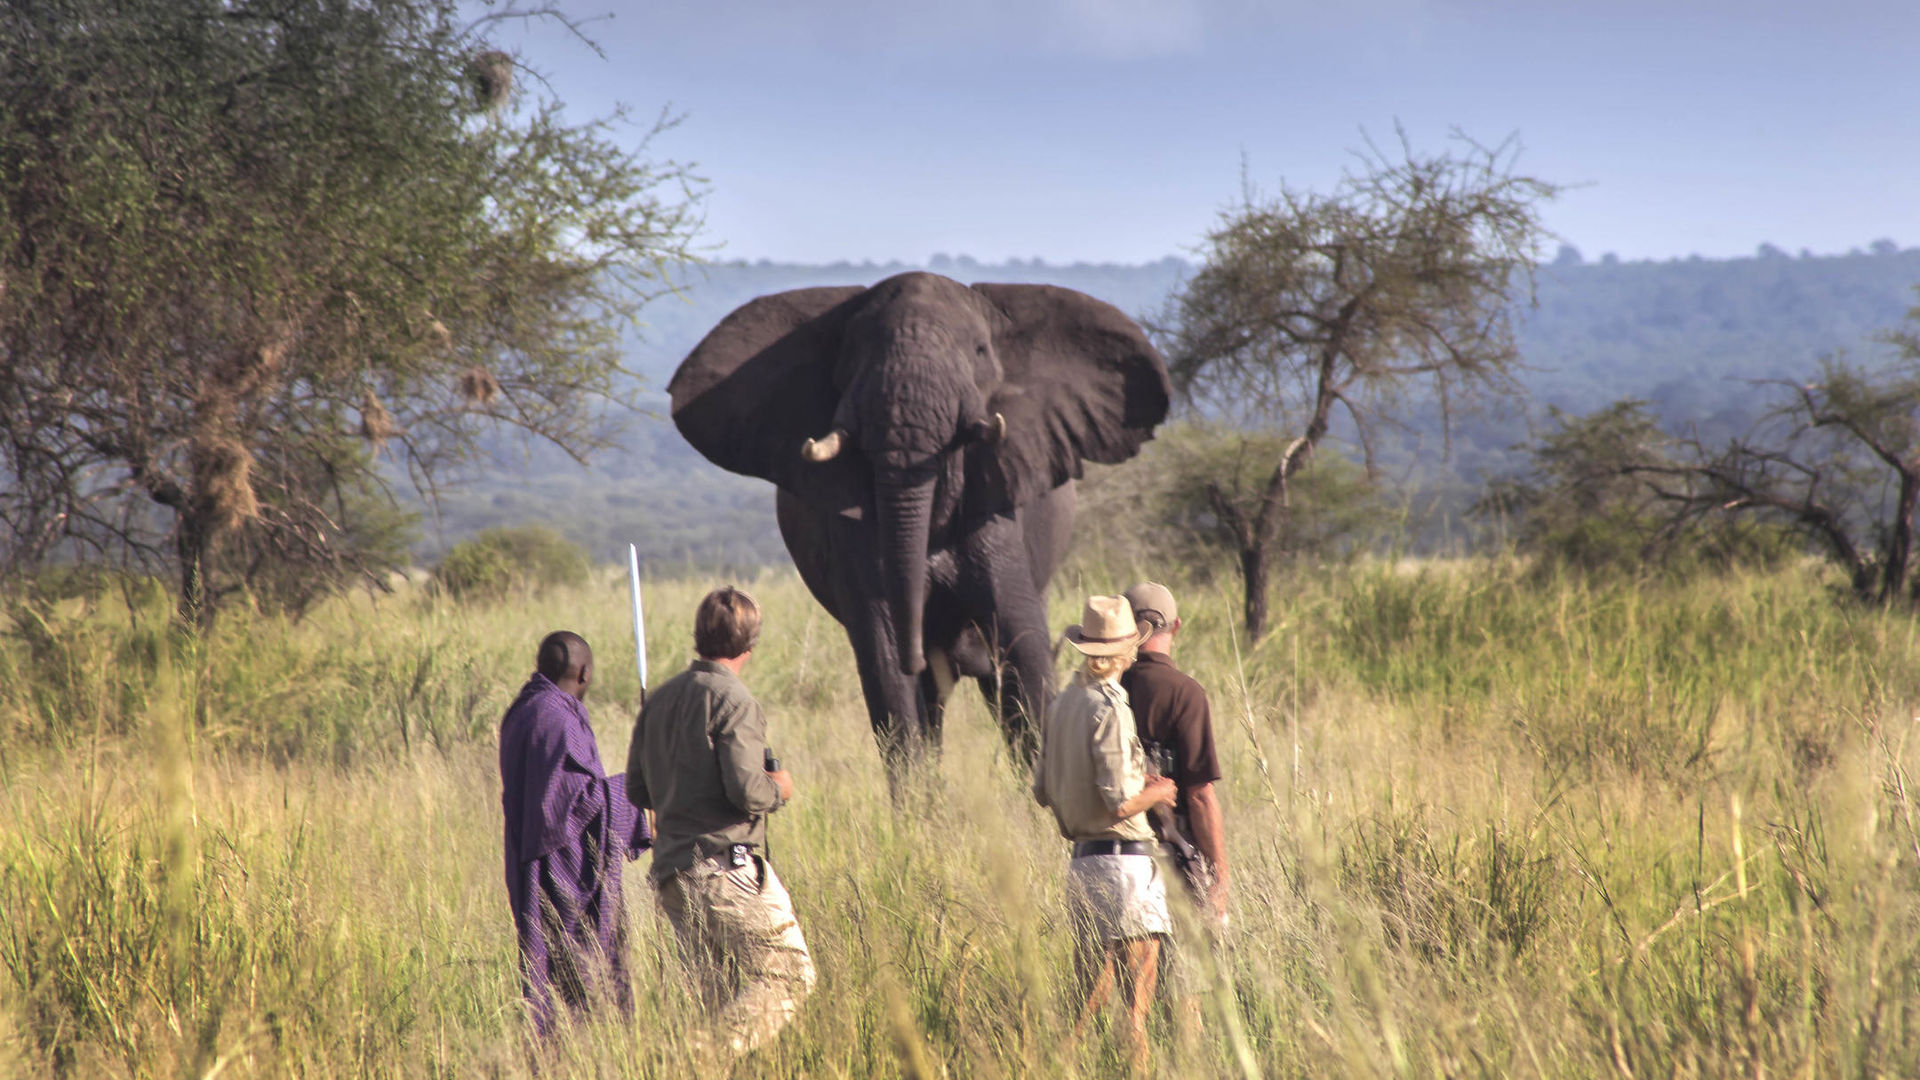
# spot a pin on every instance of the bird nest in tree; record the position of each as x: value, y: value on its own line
x: 478, y: 387
x: 491, y: 75
x: 376, y: 423
x: 223, y: 480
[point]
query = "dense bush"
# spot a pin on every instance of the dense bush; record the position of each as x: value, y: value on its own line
x: 1162, y: 510
x: 1621, y: 541
x: 1599, y: 496
x: 502, y: 560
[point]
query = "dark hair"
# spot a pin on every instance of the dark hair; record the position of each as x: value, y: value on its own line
x: 562, y: 654
x: 727, y: 624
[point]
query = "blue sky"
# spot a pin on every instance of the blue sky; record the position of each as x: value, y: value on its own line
x: 1116, y: 130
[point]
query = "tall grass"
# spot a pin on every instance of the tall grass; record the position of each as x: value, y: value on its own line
x: 1481, y: 824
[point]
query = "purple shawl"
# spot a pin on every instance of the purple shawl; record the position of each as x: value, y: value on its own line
x: 569, y: 827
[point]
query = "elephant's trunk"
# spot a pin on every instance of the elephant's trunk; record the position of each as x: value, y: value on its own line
x: 905, y: 506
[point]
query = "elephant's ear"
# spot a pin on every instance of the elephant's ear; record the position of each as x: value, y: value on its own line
x: 761, y: 383
x: 1080, y: 382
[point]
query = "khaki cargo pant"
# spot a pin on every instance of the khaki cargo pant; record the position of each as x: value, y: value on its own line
x: 742, y: 943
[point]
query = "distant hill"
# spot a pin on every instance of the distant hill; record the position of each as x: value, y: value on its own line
x: 1686, y: 334
x: 1671, y: 330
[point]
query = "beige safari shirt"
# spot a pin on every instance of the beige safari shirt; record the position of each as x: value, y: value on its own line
x: 1091, y: 761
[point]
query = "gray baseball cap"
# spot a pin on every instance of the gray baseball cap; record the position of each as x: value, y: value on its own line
x: 1153, y: 605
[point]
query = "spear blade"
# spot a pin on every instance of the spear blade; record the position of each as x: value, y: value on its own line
x: 639, y: 623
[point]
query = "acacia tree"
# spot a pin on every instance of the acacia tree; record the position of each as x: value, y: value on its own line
x: 1838, y: 460
x: 1311, y: 308
x: 1835, y: 460
x: 247, y: 246
x: 1610, y: 490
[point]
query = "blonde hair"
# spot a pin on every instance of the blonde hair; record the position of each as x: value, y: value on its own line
x: 726, y: 625
x: 1105, y: 668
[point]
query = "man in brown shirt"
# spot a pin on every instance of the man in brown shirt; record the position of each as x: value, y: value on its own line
x: 697, y: 761
x: 1171, y: 712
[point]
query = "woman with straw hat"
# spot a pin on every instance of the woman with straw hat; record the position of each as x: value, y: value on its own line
x: 1093, y: 775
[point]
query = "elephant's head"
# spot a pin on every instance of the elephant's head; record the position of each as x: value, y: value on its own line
x: 922, y: 402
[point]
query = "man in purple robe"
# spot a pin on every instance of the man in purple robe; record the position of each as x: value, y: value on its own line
x: 569, y: 826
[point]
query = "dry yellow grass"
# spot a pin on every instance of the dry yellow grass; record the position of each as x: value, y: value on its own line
x: 1480, y: 826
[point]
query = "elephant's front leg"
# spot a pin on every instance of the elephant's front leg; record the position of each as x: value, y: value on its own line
x: 1004, y: 598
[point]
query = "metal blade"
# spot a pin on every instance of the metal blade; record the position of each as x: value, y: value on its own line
x: 639, y: 623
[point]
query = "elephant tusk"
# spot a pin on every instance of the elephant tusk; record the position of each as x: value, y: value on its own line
x: 823, y: 449
x: 989, y: 431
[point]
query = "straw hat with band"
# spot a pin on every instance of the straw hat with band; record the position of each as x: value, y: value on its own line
x: 1106, y: 627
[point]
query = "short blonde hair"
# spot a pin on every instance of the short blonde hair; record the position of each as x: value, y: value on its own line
x: 1104, y: 668
x: 726, y: 625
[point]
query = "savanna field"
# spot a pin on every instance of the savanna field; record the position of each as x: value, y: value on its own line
x: 1483, y: 821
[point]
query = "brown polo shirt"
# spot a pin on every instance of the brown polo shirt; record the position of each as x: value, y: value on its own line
x: 1170, y: 710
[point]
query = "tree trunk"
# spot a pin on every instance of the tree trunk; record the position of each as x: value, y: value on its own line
x: 1253, y: 575
x: 1893, y: 577
x: 1253, y: 535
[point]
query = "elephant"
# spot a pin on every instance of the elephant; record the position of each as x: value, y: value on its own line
x: 924, y: 437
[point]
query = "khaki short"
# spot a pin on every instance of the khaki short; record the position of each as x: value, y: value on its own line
x: 1115, y: 897
x: 742, y: 944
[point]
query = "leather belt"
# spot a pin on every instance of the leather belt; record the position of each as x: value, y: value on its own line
x: 1084, y: 848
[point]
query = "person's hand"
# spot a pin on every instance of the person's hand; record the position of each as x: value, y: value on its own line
x: 784, y: 782
x: 1161, y: 791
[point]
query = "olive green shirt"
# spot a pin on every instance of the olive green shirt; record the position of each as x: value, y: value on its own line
x: 1091, y: 762
x: 697, y: 760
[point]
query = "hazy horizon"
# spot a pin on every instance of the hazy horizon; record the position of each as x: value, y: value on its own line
x: 938, y: 259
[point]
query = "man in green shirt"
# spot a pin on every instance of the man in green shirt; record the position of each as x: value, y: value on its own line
x: 697, y: 761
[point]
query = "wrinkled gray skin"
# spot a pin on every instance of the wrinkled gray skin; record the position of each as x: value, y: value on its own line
x: 925, y: 436
x: 979, y: 612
